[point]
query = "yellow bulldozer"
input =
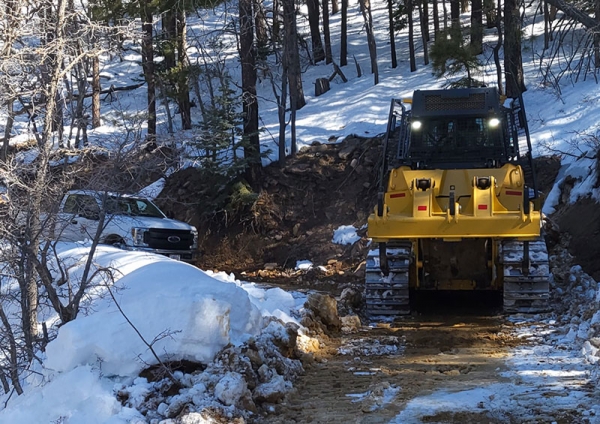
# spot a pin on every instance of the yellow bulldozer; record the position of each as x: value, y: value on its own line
x: 458, y: 207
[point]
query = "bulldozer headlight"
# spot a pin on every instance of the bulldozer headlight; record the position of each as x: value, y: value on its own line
x: 416, y: 125
x: 494, y: 122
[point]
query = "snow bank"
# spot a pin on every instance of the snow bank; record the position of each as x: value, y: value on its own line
x: 186, y: 313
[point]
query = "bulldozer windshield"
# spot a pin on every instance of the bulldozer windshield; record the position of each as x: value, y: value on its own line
x: 456, y: 141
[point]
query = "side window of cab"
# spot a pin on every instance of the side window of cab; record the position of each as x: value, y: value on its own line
x: 81, y: 205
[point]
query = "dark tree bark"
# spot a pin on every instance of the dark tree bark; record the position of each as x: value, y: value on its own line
x: 436, y: 19
x: 315, y: 33
x: 424, y: 35
x: 260, y: 22
x: 148, y: 66
x: 335, y: 7
x: 547, y: 26
x: 183, y: 89
x: 326, y: 33
x: 489, y: 9
x: 169, y: 34
x: 513, y: 61
x: 498, y: 46
x: 392, y: 38
x: 366, y: 11
x: 96, y: 89
x: 425, y: 19
x: 291, y: 56
x: 445, y: 15
x: 597, y: 35
x: 10, y: 120
x: 249, y: 103
x: 344, y: 34
x: 477, y: 26
x: 276, y: 26
x: 411, y: 36
x: 455, y: 13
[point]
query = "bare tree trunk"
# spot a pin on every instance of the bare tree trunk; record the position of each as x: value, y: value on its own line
x: 489, y: 9
x: 276, y: 25
x: 281, y: 113
x: 96, y: 88
x: 455, y: 13
x: 436, y: 19
x: 249, y: 102
x: 183, y: 88
x: 513, y: 61
x: 260, y: 23
x: 477, y: 26
x: 424, y: 35
x: 498, y: 46
x: 169, y: 34
x: 344, y: 34
x: 10, y: 119
x: 14, y: 358
x: 148, y: 66
x: 291, y: 55
x: 597, y: 35
x: 326, y: 34
x: 366, y: 11
x: 425, y: 23
x: 315, y: 33
x: 335, y: 7
x: 445, y: 15
x: 411, y: 36
x: 392, y: 38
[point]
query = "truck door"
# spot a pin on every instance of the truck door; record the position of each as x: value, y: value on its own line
x: 78, y: 218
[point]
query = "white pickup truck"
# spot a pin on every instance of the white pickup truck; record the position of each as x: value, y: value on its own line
x: 132, y: 223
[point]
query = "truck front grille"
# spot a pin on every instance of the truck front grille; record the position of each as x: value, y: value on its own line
x: 159, y: 238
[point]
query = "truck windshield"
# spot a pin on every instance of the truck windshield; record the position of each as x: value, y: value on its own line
x: 132, y: 206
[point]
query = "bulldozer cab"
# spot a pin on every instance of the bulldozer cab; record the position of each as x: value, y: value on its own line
x: 466, y: 128
x: 459, y: 128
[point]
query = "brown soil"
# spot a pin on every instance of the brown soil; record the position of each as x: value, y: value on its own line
x: 432, y: 352
x: 299, y: 207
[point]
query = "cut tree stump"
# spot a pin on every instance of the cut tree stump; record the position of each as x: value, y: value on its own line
x: 321, y: 86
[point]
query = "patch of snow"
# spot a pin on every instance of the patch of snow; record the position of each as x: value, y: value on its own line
x: 346, y: 234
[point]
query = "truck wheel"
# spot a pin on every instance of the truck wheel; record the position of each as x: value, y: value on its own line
x: 114, y: 240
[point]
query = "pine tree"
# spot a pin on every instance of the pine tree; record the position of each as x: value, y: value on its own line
x: 451, y: 56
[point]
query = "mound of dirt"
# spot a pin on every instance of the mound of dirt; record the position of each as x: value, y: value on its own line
x: 298, y: 208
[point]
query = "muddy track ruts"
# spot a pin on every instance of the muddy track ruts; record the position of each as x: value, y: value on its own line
x: 368, y: 376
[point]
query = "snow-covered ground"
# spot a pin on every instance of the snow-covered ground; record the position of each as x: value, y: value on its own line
x: 89, y: 373
x: 143, y: 310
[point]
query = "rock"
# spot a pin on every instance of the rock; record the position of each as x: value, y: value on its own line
x: 231, y: 388
x: 366, y: 185
x: 296, y: 230
x: 354, y: 163
x: 347, y: 151
x: 325, y: 308
x: 272, y: 391
x: 351, y: 324
x: 350, y: 299
x: 270, y: 266
x: 308, y: 344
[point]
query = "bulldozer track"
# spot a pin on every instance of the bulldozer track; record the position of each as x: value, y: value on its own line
x: 526, y: 276
x: 388, y: 294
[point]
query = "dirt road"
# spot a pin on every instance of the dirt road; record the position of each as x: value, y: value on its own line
x: 372, y: 375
